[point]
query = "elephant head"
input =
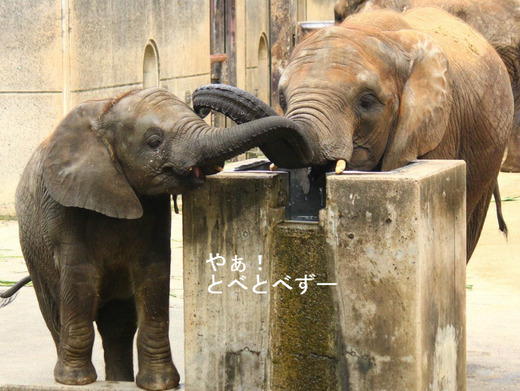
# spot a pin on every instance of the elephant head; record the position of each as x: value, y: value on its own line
x: 369, y: 98
x: 106, y: 154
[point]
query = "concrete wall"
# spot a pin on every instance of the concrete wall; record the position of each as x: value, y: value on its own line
x: 30, y: 85
x: 320, y: 9
x: 108, y: 41
x: 253, y: 34
x: 256, y: 64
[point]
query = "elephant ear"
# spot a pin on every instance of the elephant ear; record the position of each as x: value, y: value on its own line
x: 80, y: 169
x: 425, y: 100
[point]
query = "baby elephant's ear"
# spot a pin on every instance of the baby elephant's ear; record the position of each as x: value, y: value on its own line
x: 80, y: 169
x: 425, y: 103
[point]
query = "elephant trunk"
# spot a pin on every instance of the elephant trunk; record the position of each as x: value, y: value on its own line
x: 216, y: 145
x: 234, y: 103
x: 316, y: 128
x: 243, y: 107
x: 327, y: 133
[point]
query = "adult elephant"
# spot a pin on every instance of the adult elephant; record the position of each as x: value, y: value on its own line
x: 383, y: 89
x: 93, y: 206
x: 497, y: 20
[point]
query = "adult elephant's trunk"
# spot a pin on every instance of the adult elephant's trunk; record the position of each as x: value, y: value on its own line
x: 216, y: 145
x: 313, y: 126
x: 233, y: 102
x: 279, y: 145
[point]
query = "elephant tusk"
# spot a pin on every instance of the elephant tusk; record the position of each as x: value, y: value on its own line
x: 341, y: 165
x: 273, y: 167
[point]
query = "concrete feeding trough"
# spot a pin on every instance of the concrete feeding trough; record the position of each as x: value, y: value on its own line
x: 369, y: 296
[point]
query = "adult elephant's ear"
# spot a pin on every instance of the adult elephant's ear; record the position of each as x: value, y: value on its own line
x: 425, y: 100
x: 80, y: 169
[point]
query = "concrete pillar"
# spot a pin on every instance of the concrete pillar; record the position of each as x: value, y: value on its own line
x: 227, y: 334
x: 394, y: 245
x: 397, y: 245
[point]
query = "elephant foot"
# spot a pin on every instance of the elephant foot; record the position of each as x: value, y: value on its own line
x: 511, y: 165
x: 65, y: 374
x: 163, y: 378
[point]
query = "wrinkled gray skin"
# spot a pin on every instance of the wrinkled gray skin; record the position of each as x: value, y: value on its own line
x: 383, y: 89
x: 497, y: 20
x: 93, y: 207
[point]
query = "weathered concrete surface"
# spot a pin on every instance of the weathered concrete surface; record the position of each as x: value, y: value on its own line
x: 303, y: 328
x: 283, y: 17
x: 393, y: 242
x: 397, y: 243
x: 227, y: 333
x: 30, y: 86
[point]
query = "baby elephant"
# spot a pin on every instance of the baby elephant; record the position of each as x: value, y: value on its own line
x: 94, y: 212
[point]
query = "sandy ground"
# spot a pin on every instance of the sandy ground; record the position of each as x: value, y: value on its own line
x: 493, y: 311
x: 493, y: 299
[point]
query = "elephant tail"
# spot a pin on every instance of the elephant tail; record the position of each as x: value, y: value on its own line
x: 9, y: 295
x: 498, y: 202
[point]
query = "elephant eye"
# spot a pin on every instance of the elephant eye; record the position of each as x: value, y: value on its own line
x: 154, y: 138
x: 283, y: 103
x: 367, y: 102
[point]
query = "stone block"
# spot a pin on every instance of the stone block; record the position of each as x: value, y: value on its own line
x: 397, y: 246
x: 227, y: 334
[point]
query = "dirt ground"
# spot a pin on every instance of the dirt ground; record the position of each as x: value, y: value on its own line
x: 493, y: 310
x: 493, y: 299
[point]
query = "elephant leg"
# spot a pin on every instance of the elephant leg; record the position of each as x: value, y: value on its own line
x: 49, y: 308
x: 152, y: 298
x: 156, y: 369
x: 47, y: 290
x: 512, y: 162
x: 78, y: 306
x: 44, y: 276
x: 117, y: 324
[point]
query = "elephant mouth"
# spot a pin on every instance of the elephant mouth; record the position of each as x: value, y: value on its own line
x: 173, y: 181
x: 198, y: 174
x: 192, y: 177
